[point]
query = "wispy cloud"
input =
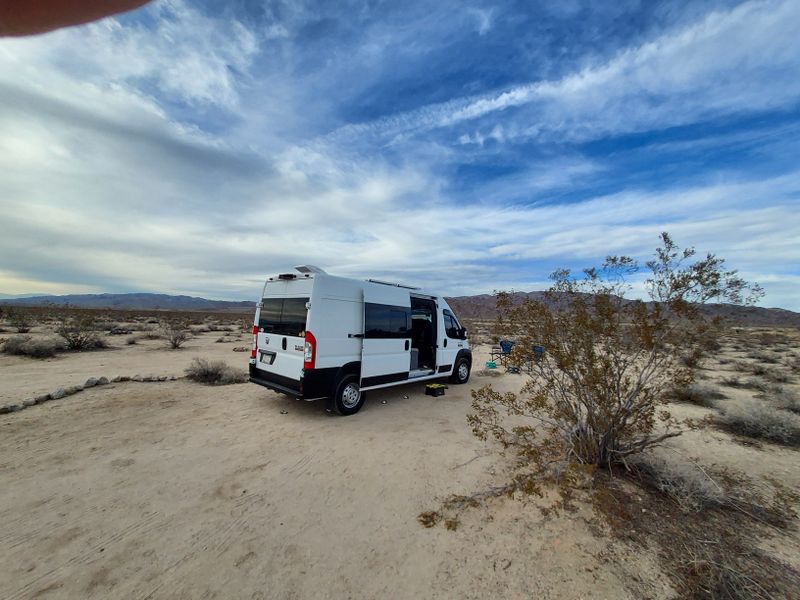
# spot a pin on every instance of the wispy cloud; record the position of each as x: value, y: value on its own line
x: 178, y: 150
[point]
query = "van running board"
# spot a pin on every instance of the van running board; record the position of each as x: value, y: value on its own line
x: 421, y: 373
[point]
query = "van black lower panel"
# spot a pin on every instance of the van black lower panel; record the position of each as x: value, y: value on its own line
x: 316, y: 383
x: 275, y: 382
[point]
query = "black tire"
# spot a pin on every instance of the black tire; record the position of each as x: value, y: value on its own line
x: 461, y: 371
x: 344, y: 400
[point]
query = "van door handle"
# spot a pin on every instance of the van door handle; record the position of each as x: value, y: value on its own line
x: 445, y: 343
x: 407, y: 342
x: 355, y: 335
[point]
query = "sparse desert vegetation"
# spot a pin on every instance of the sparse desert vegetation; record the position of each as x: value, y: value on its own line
x: 707, y: 516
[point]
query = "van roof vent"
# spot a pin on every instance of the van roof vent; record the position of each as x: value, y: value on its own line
x: 310, y: 269
x: 400, y: 285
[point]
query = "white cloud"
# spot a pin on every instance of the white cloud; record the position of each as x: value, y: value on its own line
x: 745, y: 59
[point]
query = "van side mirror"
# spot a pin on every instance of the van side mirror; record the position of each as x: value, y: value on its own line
x: 462, y: 333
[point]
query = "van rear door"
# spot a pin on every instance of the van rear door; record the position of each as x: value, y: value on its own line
x: 386, y: 350
x: 281, y: 337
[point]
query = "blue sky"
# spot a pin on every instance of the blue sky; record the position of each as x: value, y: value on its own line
x: 465, y: 147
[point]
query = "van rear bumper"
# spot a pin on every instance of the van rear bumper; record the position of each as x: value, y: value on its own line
x: 284, y: 385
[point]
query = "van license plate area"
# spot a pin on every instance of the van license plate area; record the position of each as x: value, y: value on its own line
x: 268, y: 357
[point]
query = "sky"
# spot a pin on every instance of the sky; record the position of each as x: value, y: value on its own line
x: 466, y: 147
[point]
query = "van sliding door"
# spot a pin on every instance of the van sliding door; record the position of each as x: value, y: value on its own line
x: 386, y: 351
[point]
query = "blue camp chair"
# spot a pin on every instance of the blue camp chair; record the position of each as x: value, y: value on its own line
x: 503, y: 351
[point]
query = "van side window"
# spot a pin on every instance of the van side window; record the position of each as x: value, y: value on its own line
x: 382, y: 321
x: 450, y: 324
x: 283, y: 316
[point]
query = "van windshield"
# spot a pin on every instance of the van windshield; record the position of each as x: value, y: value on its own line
x: 283, y: 316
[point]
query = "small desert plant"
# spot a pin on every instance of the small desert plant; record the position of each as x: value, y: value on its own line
x: 197, y: 329
x: 79, y: 332
x: 760, y: 421
x: 698, y: 393
x: 19, y: 320
x: 222, y: 340
x: 131, y: 341
x: 214, y: 372
x: 175, y: 332
x: 749, y: 383
x: 151, y: 335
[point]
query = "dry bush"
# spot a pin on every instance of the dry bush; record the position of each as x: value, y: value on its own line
x: 151, y: 334
x: 214, y: 372
x: 599, y: 394
x: 763, y: 357
x: 198, y: 329
x: 132, y: 341
x: 222, y: 340
x: 175, y: 332
x: 25, y: 345
x: 79, y: 331
x: 762, y: 422
x: 19, y: 319
x: 698, y: 393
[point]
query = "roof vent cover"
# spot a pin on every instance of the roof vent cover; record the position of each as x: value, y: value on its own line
x: 310, y: 269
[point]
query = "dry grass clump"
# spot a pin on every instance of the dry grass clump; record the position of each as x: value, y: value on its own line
x: 749, y: 384
x: 785, y: 400
x: 132, y: 341
x: 683, y: 481
x: 25, y: 345
x: 214, y: 372
x: 761, y: 421
x: 700, y: 394
x: 151, y: 334
x: 764, y: 357
x: 708, y: 535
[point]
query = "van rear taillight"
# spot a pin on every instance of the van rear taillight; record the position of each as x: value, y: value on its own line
x: 255, y: 342
x: 310, y: 351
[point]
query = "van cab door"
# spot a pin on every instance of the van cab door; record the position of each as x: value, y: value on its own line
x: 386, y: 348
x: 449, y: 341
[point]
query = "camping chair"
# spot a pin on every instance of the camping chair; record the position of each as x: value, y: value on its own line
x: 503, y: 351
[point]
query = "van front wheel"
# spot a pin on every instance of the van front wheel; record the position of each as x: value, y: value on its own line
x: 349, y: 398
x: 460, y: 371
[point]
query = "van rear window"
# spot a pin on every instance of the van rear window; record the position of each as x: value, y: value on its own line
x: 283, y: 316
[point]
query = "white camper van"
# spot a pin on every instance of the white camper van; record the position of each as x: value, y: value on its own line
x: 319, y: 336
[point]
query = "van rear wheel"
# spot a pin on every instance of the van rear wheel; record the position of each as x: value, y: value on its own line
x: 349, y: 398
x: 461, y: 371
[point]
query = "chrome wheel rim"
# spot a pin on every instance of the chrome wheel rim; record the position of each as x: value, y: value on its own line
x: 463, y: 371
x: 351, y: 395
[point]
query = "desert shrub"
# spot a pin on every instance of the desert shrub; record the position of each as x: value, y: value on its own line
x: 175, y: 332
x: 131, y: 341
x: 151, y: 335
x: 683, y: 481
x: 697, y: 393
x: 25, y: 345
x: 19, y: 320
x: 761, y: 421
x: 222, y: 340
x: 15, y: 343
x: 79, y: 332
x: 197, y: 329
x: 763, y: 357
x: 599, y: 393
x: 785, y: 400
x: 214, y: 372
x: 43, y: 347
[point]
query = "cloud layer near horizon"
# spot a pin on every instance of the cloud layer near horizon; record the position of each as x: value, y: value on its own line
x: 179, y: 150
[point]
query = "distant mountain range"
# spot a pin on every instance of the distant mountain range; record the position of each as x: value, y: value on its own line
x: 481, y: 306
x: 133, y: 302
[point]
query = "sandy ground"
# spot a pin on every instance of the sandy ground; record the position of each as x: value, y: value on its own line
x: 177, y: 490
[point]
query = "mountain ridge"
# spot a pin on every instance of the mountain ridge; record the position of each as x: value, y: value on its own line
x: 478, y: 306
